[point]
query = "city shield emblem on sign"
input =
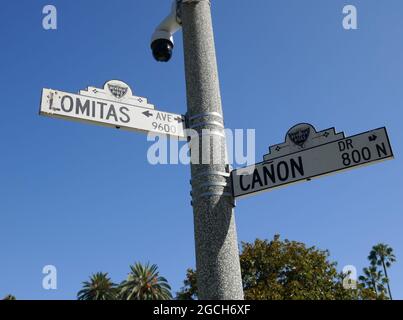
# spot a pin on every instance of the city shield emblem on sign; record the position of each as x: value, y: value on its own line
x: 299, y: 136
x: 117, y: 91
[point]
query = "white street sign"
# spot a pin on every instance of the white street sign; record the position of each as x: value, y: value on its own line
x: 112, y: 106
x: 307, y: 154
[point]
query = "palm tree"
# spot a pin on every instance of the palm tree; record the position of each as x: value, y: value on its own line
x: 382, y: 255
x: 374, y: 280
x: 10, y: 297
x: 145, y: 283
x: 100, y: 287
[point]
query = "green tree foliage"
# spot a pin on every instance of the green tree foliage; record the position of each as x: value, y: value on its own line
x: 277, y: 270
x: 189, y: 291
x: 145, y: 283
x: 9, y: 297
x: 100, y: 287
x: 382, y: 255
x: 142, y: 283
x: 372, y: 284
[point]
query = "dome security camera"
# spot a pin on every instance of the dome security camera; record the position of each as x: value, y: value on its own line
x: 162, y: 42
x: 162, y: 46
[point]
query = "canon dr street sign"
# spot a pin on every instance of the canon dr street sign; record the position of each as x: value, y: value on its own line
x: 113, y: 106
x: 307, y: 154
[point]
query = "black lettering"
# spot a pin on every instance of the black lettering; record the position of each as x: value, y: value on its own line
x: 346, y: 159
x: 366, y: 153
x: 51, y: 107
x: 286, y: 171
x: 241, y: 183
x: 93, y: 109
x: 345, y: 145
x: 356, y: 156
x: 256, y: 179
x: 342, y: 146
x: 299, y: 166
x: 270, y: 174
x: 71, y: 106
x: 83, y: 108
x: 102, y: 105
x: 160, y: 116
x: 122, y: 111
x: 349, y: 144
x: 382, y: 149
x: 112, y: 113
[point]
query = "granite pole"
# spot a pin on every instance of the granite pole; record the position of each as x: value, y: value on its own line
x: 217, y: 255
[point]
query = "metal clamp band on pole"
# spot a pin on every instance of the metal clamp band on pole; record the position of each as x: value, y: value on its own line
x: 213, y: 133
x: 211, y: 184
x: 195, y: 1
x: 205, y: 114
x: 212, y: 173
x: 209, y: 194
x: 211, y: 123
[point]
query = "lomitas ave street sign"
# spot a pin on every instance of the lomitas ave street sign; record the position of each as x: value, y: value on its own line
x: 113, y: 106
x: 307, y: 154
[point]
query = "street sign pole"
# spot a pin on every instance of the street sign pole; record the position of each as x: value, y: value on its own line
x: 306, y: 153
x: 217, y: 256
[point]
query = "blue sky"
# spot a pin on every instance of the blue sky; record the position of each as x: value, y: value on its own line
x: 85, y: 199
